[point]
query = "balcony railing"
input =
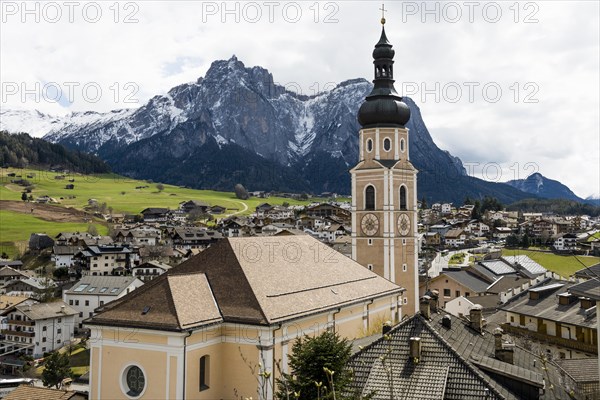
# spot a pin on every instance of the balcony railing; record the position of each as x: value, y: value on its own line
x: 17, y: 333
x: 555, y: 340
x: 21, y: 322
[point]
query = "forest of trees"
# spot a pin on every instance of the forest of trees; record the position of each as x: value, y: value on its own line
x: 557, y: 206
x: 23, y: 151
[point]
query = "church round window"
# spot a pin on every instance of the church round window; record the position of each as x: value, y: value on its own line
x: 369, y: 145
x: 387, y: 144
x: 135, y: 381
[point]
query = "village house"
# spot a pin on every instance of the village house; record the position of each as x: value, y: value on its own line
x: 149, y: 270
x: 188, y: 238
x: 453, y: 284
x: 92, y: 292
x: 8, y: 274
x: 502, y: 232
x: 327, y: 210
x: 64, y: 256
x: 138, y: 237
x: 155, y: 214
x: 105, y: 260
x: 186, y: 338
x: 455, y: 238
x: 31, y: 287
x: 566, y: 242
x: 194, y: 206
x: 71, y: 238
x: 237, y: 227
x: 477, y: 228
x: 39, y: 328
x: 432, y: 239
x: 551, y: 314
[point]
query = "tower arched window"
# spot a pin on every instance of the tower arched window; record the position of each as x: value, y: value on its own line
x: 387, y: 144
x: 369, y: 145
x: 370, y: 198
x: 402, y: 145
x: 403, y: 197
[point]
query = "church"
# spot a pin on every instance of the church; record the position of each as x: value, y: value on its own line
x: 222, y: 324
x: 384, y: 184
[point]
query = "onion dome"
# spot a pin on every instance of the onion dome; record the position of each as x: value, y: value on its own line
x: 383, y: 106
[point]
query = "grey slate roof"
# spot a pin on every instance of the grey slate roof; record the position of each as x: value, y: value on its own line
x: 589, y: 272
x: 498, y: 267
x: 580, y: 369
x: 40, y: 311
x: 458, y: 357
x: 547, y: 306
x: 102, y: 285
x: 468, y: 279
x: 527, y: 263
x: 589, y: 288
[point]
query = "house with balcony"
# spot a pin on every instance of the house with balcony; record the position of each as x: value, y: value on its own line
x: 553, y: 315
x: 38, y: 328
x: 566, y: 242
x: 105, y: 260
x: 149, y: 270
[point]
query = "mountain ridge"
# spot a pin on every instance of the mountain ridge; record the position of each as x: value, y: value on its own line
x: 293, y: 142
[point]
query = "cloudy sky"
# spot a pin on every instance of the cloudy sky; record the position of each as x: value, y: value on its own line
x: 511, y: 88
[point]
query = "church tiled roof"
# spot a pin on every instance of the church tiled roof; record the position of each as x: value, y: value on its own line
x: 254, y: 280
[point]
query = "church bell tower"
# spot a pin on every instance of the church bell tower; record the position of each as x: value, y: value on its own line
x: 384, y: 184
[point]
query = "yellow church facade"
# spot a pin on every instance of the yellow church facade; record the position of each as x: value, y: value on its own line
x: 221, y: 325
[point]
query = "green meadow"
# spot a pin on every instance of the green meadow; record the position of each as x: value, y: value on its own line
x: 15, y: 229
x: 124, y: 195
x: 564, y: 265
x: 121, y: 195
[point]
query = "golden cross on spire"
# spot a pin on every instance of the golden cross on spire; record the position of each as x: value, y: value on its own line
x: 383, y: 10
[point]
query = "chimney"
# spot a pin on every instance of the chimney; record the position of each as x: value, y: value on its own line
x: 415, y: 348
x: 424, y: 306
x: 433, y: 303
x: 586, y: 303
x: 387, y: 327
x: 503, y: 351
x: 476, y: 318
x: 447, y: 322
x: 62, y: 309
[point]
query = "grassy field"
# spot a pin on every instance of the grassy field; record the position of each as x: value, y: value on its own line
x: 121, y: 195
x: 563, y: 265
x: 15, y: 229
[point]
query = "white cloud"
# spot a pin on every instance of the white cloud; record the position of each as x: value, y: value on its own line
x: 175, y: 42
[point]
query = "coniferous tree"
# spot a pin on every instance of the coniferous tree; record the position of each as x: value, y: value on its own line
x: 318, y: 365
x: 56, y: 369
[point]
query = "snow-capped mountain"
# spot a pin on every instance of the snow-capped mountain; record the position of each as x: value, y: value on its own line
x: 593, y: 199
x: 544, y: 187
x: 236, y: 125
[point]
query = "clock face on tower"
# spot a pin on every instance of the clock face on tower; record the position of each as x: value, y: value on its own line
x: 403, y: 224
x: 369, y: 224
